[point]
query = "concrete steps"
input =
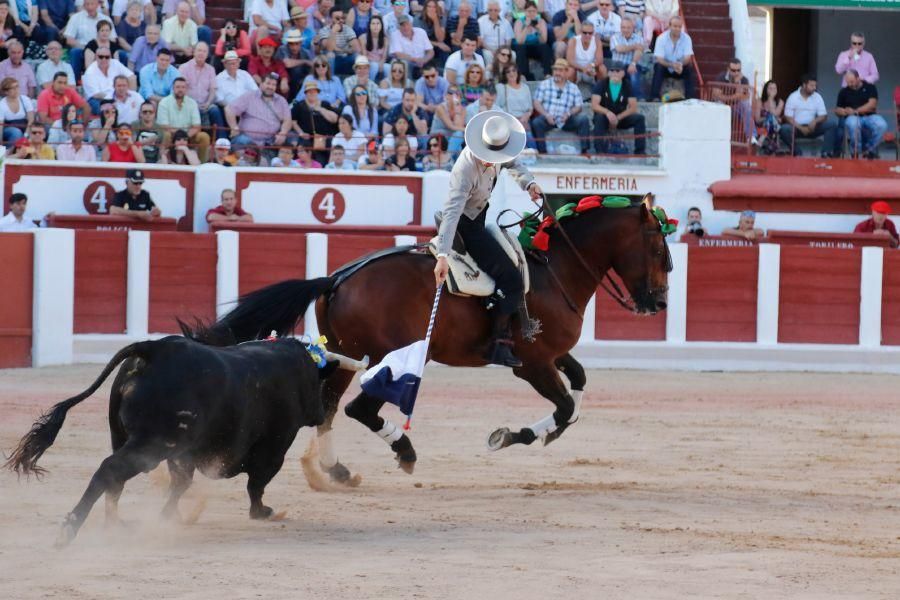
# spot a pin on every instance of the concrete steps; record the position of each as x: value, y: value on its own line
x: 709, y: 24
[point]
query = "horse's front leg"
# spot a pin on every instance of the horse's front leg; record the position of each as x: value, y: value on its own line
x: 574, y: 372
x: 364, y: 408
x: 546, y: 381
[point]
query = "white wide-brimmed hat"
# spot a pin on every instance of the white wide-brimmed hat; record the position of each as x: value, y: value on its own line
x: 495, y: 136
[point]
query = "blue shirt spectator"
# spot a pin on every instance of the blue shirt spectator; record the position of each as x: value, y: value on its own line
x: 144, y: 50
x: 154, y: 84
x: 330, y: 90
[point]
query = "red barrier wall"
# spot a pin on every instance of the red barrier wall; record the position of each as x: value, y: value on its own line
x: 344, y: 248
x: 101, y: 277
x: 182, y: 279
x: 267, y: 258
x: 819, y: 295
x: 890, y: 299
x: 721, y: 296
x: 17, y: 275
x: 612, y: 322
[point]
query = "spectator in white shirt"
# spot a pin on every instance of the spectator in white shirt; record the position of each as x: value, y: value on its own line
x: 231, y: 84
x: 459, y: 61
x: 53, y: 65
x: 77, y: 150
x: 607, y: 23
x: 128, y: 102
x: 99, y: 79
x: 805, y: 116
x: 411, y: 44
x: 272, y: 15
x: 16, y: 219
x: 495, y: 31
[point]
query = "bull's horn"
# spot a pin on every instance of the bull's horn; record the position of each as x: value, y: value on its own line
x: 347, y: 363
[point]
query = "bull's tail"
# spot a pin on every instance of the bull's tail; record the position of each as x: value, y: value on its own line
x: 278, y: 307
x: 43, y: 433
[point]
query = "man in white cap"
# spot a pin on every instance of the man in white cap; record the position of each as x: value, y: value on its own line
x: 361, y: 77
x: 494, y: 140
x: 232, y: 83
x: 297, y: 60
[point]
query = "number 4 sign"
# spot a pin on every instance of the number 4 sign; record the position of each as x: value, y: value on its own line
x: 328, y: 205
x: 97, y: 197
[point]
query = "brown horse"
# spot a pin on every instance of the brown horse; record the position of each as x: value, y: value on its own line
x: 371, y: 307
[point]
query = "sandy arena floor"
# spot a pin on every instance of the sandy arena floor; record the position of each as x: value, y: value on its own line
x: 670, y: 486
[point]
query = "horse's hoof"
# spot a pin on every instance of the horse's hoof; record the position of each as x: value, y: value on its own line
x: 261, y: 514
x: 278, y: 516
x: 408, y: 466
x: 500, y: 438
x: 66, y: 535
x: 552, y: 436
x: 338, y: 473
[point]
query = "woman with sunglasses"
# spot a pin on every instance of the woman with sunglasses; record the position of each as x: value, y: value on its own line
x: 375, y: 46
x: 437, y: 158
x: 473, y: 84
x: 232, y: 38
x: 402, y: 159
x: 365, y: 117
x: 331, y: 90
x: 392, y: 87
x: 400, y: 131
x: 16, y: 112
x: 515, y: 98
x: 502, y: 59
x: 450, y: 120
x: 432, y: 21
x: 124, y: 149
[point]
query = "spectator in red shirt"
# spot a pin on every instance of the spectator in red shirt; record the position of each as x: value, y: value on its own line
x: 51, y: 100
x: 228, y: 210
x: 264, y: 63
x: 879, y: 224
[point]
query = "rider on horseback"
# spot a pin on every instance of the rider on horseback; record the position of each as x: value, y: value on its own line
x: 493, y: 141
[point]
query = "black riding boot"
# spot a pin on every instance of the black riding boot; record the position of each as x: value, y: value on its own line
x: 500, y: 351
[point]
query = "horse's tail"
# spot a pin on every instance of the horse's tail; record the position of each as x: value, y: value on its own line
x: 43, y: 433
x: 278, y: 307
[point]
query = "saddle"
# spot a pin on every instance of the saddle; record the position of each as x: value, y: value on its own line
x: 465, y: 277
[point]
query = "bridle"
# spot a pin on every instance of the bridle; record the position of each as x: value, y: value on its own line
x: 605, y: 280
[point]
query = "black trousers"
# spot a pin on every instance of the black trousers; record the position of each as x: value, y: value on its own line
x: 635, y: 121
x: 493, y: 259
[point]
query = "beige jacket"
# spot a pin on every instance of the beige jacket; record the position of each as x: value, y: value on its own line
x: 471, y: 184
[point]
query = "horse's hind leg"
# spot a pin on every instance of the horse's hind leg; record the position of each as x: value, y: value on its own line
x: 364, y: 408
x: 574, y: 372
x: 182, y: 476
x: 546, y: 381
x: 114, y: 471
x: 332, y: 390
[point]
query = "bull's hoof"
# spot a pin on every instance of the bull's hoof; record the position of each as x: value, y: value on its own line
x: 261, y: 513
x: 500, y: 438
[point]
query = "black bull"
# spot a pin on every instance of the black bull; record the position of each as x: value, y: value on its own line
x: 221, y: 410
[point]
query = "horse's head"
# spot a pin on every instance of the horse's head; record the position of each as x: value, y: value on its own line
x: 641, y: 258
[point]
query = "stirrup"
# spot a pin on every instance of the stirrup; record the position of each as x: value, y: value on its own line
x: 500, y: 353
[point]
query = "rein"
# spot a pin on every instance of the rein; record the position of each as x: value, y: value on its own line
x: 615, y: 293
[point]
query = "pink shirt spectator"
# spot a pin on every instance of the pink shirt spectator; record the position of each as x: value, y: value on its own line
x: 24, y: 74
x: 260, y: 119
x: 243, y: 45
x: 864, y: 65
x: 200, y: 80
x: 86, y: 153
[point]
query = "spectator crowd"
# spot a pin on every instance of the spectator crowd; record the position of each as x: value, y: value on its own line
x: 392, y: 83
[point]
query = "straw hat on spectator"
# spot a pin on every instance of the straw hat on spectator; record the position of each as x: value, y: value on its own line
x: 495, y: 136
x: 310, y: 85
x: 293, y: 37
x: 561, y: 63
x: 231, y: 55
x: 361, y: 61
x: 298, y: 11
